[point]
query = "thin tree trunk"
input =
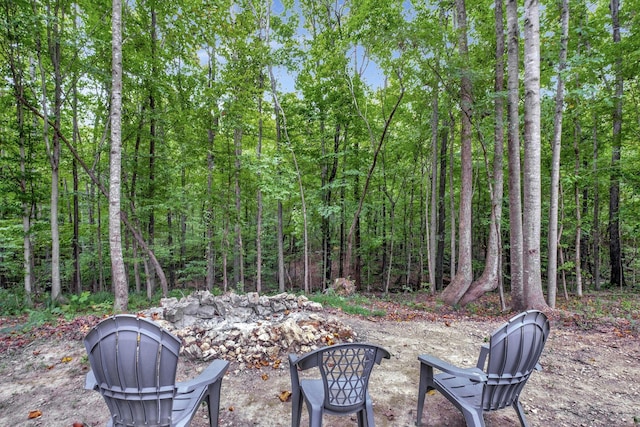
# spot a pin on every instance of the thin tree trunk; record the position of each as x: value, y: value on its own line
x: 259, y: 192
x: 281, y: 115
x: 433, y: 217
x: 595, y: 228
x: 452, y: 207
x: 210, y: 219
x: 576, y: 192
x: 153, y: 135
x: 18, y: 87
x: 615, y: 252
x: 238, y: 258
x: 552, y: 264
x: 120, y: 285
x: 377, y: 147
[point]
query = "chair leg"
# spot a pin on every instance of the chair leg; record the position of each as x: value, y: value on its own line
x: 520, y: 411
x: 315, y: 417
x: 213, y: 403
x: 426, y: 374
x: 296, y: 410
x: 473, y: 418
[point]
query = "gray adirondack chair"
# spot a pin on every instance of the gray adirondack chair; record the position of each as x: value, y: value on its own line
x: 513, y: 353
x: 345, y: 370
x: 133, y: 366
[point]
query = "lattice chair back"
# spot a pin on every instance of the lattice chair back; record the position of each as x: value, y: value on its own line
x: 514, y: 351
x: 134, y: 362
x: 345, y: 372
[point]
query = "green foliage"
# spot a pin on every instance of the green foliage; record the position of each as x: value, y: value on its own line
x: 12, y: 302
x: 355, y: 304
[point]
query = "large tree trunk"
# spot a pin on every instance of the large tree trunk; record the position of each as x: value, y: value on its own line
x: 490, y: 278
x: 615, y: 252
x: 553, y: 240
x: 513, y: 137
x: 118, y: 276
x: 532, y: 191
x: 462, y: 280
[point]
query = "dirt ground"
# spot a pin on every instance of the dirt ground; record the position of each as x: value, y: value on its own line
x: 590, y: 378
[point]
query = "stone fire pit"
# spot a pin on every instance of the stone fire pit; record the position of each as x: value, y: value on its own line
x: 253, y: 330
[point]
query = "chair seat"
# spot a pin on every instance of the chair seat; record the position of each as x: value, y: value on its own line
x: 461, y: 389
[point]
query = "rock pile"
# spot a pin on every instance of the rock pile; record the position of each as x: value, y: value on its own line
x: 253, y: 330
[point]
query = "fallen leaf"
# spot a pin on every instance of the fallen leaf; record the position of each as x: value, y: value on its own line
x: 284, y: 396
x: 66, y: 359
x: 231, y: 408
x: 431, y: 392
x: 264, y: 377
x: 35, y: 414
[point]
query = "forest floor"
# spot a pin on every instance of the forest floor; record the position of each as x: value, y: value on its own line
x: 590, y: 377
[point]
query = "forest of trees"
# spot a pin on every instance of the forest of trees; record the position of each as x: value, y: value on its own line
x: 456, y: 147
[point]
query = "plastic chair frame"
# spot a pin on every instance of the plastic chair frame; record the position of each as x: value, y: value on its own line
x: 345, y: 370
x: 134, y: 363
x: 502, y: 370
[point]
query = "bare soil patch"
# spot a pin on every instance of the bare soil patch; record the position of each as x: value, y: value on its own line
x: 590, y: 377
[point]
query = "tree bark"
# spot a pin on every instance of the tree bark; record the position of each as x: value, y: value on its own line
x: 615, y: 251
x: 532, y: 203
x: 119, y: 278
x: 462, y: 280
x: 490, y: 279
x: 552, y: 264
x: 515, y: 200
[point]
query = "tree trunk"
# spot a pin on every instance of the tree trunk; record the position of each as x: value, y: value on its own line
x: 444, y: 140
x: 515, y: 201
x: 153, y: 135
x: 532, y: 192
x: 595, y: 227
x: 489, y: 280
x: 615, y: 252
x: 238, y: 257
x: 576, y: 193
x: 552, y: 268
x: 433, y: 208
x: 462, y: 280
x: 210, y: 216
x: 119, y: 278
x: 259, y: 191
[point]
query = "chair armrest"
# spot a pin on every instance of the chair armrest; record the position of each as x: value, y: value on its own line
x: 474, y: 374
x: 293, y: 371
x: 214, y: 372
x: 90, y: 382
x: 482, y: 358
